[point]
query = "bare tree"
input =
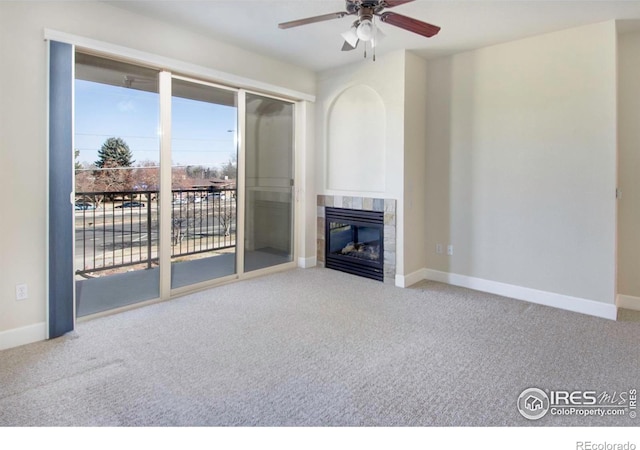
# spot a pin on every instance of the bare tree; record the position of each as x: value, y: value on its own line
x: 230, y: 168
x: 225, y: 217
x: 113, y: 178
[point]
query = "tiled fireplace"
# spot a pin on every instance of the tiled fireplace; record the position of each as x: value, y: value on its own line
x: 354, y: 204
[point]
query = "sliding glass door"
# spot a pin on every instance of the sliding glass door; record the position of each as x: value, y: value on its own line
x: 203, y: 182
x: 178, y: 183
x: 269, y: 173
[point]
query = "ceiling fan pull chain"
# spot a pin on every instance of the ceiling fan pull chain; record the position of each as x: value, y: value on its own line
x: 374, y: 41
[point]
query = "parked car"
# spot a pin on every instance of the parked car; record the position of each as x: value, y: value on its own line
x: 215, y: 196
x: 80, y: 206
x: 131, y: 205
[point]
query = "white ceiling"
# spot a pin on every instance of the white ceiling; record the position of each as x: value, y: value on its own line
x: 253, y: 24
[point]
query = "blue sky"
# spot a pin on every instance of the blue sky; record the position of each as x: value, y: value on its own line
x: 200, y: 131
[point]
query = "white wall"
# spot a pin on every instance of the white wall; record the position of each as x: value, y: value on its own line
x: 305, y: 190
x: 23, y: 109
x: 629, y: 165
x: 521, y: 163
x: 415, y: 182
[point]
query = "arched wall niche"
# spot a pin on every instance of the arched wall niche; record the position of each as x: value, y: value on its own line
x: 356, y: 136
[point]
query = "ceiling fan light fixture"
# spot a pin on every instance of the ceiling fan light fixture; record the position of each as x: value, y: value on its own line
x: 365, y: 30
x: 351, y: 36
x: 378, y: 36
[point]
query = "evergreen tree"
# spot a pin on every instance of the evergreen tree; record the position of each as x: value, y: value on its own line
x: 114, y: 153
x: 114, y: 160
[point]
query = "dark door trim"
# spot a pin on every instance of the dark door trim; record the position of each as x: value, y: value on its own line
x: 60, y: 273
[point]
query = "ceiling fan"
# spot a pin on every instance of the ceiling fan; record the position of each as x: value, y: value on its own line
x: 363, y: 28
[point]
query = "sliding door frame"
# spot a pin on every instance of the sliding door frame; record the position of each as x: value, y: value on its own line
x: 166, y: 96
x: 164, y: 217
x: 241, y: 178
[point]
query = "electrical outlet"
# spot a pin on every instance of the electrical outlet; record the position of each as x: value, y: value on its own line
x: 21, y: 292
x: 450, y: 250
x: 439, y: 249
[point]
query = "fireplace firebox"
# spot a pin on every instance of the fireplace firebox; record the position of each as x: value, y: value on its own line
x: 354, y: 242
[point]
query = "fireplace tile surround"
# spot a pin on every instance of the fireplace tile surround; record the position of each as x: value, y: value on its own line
x: 388, y: 206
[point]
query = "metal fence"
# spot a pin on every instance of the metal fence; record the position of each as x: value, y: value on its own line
x: 120, y: 229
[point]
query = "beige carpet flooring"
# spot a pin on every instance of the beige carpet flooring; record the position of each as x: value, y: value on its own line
x: 318, y: 347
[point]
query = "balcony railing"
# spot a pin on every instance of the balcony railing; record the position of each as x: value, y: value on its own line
x: 116, y: 230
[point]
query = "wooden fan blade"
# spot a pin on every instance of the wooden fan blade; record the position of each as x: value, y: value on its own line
x: 308, y: 20
x: 410, y: 24
x: 392, y: 3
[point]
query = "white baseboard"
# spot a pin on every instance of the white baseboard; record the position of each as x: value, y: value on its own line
x: 575, y: 304
x: 23, y: 335
x: 404, y: 281
x: 628, y: 302
x: 305, y: 263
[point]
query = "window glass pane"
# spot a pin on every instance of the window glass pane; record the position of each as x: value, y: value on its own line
x: 116, y: 183
x: 203, y: 184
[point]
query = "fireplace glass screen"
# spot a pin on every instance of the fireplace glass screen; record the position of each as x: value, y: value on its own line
x: 354, y: 242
